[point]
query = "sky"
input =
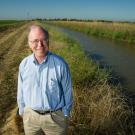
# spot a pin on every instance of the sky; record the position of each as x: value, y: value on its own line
x: 119, y: 10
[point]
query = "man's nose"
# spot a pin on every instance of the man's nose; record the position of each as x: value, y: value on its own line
x: 40, y: 43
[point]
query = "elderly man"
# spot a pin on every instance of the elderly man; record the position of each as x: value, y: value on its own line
x: 44, y: 87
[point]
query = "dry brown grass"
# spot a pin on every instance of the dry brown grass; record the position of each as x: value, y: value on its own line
x: 12, y: 50
x: 13, y: 124
x: 100, y: 110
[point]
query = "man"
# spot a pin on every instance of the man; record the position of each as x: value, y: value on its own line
x: 44, y: 87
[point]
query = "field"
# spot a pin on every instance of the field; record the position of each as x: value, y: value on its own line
x: 9, y: 24
x: 12, y: 44
x: 99, y: 108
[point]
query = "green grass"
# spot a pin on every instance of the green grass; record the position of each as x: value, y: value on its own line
x: 7, y: 22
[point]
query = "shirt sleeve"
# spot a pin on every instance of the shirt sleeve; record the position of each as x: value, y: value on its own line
x: 67, y: 89
x: 20, y: 100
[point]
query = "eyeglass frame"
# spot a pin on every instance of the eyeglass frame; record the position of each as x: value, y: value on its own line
x: 36, y: 41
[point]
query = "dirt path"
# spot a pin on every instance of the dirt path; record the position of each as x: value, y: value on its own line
x: 13, y: 47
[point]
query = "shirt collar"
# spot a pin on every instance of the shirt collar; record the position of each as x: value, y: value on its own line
x: 45, y: 59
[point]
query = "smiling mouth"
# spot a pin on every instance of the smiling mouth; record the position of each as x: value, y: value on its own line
x: 39, y: 49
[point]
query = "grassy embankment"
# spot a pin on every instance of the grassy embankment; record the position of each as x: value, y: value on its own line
x: 98, y: 107
x: 112, y: 30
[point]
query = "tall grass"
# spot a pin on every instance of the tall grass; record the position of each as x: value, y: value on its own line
x: 100, y: 110
x: 113, y: 30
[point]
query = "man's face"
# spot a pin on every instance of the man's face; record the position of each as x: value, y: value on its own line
x: 38, y: 42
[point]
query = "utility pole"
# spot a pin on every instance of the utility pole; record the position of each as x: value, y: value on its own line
x: 28, y: 16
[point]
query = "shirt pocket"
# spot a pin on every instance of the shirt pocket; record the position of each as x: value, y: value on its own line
x: 54, y: 91
x: 53, y: 85
x: 55, y: 88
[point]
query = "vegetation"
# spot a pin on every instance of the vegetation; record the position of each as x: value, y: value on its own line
x: 10, y: 24
x: 114, y: 30
x: 98, y: 109
x: 6, y: 22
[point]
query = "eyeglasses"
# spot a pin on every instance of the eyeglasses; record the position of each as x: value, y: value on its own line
x: 36, y: 41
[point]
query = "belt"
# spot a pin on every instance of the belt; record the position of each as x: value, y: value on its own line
x: 42, y: 112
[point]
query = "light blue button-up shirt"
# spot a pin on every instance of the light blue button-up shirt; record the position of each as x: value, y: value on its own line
x: 45, y: 86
